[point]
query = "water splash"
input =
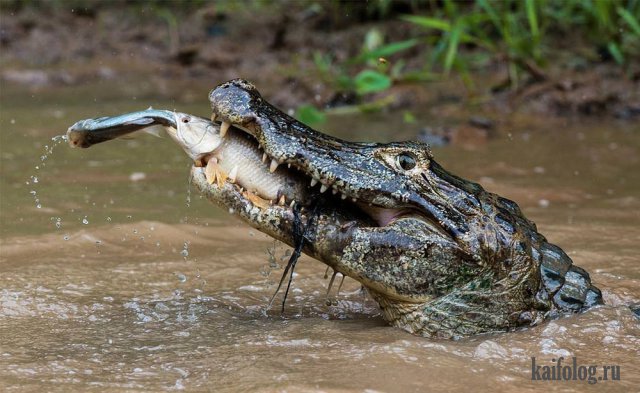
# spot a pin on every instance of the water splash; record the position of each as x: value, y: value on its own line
x: 188, y: 199
x: 57, y: 221
x: 185, y: 250
x: 33, y: 179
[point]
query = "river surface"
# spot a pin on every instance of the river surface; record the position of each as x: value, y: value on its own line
x: 115, y: 277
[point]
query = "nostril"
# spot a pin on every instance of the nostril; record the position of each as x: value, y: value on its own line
x: 186, y: 120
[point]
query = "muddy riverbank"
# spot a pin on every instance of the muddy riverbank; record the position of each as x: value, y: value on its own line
x: 279, y: 47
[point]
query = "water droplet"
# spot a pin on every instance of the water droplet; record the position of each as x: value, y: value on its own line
x: 181, y: 277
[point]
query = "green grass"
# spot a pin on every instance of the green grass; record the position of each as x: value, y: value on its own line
x: 523, y: 33
x: 461, y: 37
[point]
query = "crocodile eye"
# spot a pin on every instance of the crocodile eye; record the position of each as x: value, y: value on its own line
x: 406, y: 161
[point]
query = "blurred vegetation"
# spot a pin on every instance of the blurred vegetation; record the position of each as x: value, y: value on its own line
x: 522, y: 33
x: 458, y: 38
x: 464, y: 37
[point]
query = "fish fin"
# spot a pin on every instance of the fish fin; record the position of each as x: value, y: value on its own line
x: 155, y: 130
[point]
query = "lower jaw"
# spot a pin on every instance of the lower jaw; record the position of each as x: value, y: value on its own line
x: 232, y: 195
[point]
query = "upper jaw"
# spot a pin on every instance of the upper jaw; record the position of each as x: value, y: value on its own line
x: 330, y: 163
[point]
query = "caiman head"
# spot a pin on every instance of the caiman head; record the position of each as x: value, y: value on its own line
x: 441, y: 256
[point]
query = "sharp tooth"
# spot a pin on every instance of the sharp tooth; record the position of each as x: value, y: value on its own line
x: 210, y: 171
x: 289, y: 165
x: 273, y: 166
x: 343, y: 196
x: 233, y: 174
x: 264, y: 157
x: 354, y: 199
x: 323, y: 188
x: 224, y: 127
x: 213, y: 116
x: 221, y: 176
x: 281, y: 201
x: 314, y: 181
x: 292, y: 204
x: 334, y: 191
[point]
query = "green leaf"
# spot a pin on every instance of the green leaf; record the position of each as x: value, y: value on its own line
x: 532, y: 16
x: 452, y: 49
x: 486, y: 6
x: 444, y: 26
x: 387, y: 50
x: 309, y: 115
x: 630, y: 19
x: 369, y: 81
x: 615, y: 52
x: 429, y: 23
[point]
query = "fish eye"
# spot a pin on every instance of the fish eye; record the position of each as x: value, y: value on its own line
x: 406, y: 161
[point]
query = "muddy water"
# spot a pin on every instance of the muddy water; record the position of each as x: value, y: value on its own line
x: 123, y: 281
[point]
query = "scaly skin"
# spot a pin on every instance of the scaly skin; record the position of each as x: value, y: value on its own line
x: 442, y: 256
